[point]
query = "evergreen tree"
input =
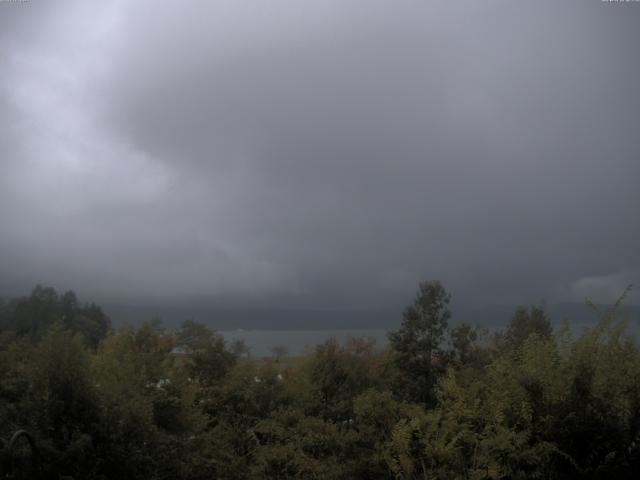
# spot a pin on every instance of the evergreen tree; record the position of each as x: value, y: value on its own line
x: 418, y: 342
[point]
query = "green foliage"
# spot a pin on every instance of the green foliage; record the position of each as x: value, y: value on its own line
x: 524, y: 323
x: 31, y: 316
x: 153, y: 403
x: 417, y: 344
x: 467, y: 349
x: 338, y: 374
x: 208, y: 359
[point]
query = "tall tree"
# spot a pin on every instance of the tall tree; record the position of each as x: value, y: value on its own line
x: 417, y: 344
x: 209, y: 358
x: 526, y: 322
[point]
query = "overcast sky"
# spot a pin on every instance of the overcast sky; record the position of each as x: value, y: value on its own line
x: 320, y: 153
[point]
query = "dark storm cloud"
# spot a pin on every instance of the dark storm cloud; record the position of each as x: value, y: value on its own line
x: 322, y: 153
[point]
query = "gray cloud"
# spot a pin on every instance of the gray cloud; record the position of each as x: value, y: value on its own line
x: 321, y: 154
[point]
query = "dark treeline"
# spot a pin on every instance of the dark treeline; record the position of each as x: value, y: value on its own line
x: 146, y: 402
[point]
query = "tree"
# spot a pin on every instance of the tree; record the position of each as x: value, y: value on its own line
x: 468, y: 347
x: 31, y: 316
x: 194, y: 336
x: 240, y: 348
x: 417, y: 343
x: 209, y: 359
x: 527, y: 322
x: 279, y: 352
x: 68, y: 405
x: 339, y: 374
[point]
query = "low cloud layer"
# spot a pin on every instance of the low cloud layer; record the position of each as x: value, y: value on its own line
x: 320, y: 154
